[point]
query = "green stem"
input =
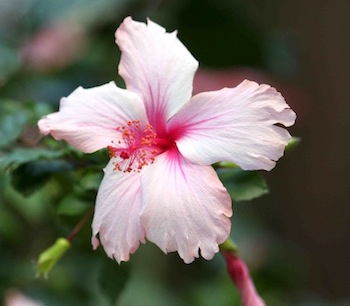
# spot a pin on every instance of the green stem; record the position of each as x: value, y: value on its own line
x: 229, y: 246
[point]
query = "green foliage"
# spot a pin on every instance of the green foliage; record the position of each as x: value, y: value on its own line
x: 243, y: 185
x: 112, y: 279
x: 29, y: 177
x: 12, y: 122
x: 23, y: 155
x: 9, y: 61
x: 72, y: 205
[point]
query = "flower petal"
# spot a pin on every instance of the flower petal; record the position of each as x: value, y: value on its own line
x: 234, y: 124
x: 157, y: 66
x: 88, y: 118
x: 117, y: 214
x: 186, y: 207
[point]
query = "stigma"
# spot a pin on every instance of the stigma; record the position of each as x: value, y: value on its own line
x: 136, y: 147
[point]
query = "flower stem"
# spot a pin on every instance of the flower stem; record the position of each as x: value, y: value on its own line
x: 229, y: 246
x: 80, y: 225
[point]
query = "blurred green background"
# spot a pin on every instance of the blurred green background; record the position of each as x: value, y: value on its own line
x: 295, y: 239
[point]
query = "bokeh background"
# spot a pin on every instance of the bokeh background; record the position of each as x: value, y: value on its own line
x: 295, y: 239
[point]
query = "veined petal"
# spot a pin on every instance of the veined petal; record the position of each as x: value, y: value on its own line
x: 186, y: 207
x: 88, y: 118
x: 234, y: 124
x: 117, y: 214
x: 157, y: 66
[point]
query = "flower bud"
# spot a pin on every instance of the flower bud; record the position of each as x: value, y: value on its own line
x: 239, y: 273
x: 49, y: 257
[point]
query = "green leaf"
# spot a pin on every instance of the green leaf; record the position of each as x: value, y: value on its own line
x: 23, y: 155
x: 29, y: 177
x: 243, y: 185
x: 112, y: 279
x: 12, y: 122
x: 91, y: 180
x: 72, y: 206
x: 10, y: 227
x: 9, y: 61
x: 38, y: 110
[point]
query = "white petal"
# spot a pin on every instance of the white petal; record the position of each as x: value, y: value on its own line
x: 234, y: 124
x: 117, y: 214
x: 88, y: 118
x: 186, y: 207
x: 157, y: 66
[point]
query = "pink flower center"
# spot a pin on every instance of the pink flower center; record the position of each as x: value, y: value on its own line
x: 137, y: 147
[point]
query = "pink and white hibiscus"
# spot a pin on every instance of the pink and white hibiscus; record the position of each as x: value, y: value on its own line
x: 159, y: 183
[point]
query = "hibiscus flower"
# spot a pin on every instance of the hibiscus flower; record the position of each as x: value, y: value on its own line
x: 159, y: 183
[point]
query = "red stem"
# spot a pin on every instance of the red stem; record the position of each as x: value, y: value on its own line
x: 80, y: 225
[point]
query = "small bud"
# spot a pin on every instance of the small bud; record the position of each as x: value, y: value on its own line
x: 49, y: 257
x: 293, y: 143
x: 239, y: 274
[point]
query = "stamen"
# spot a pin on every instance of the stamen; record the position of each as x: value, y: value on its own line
x: 136, y: 148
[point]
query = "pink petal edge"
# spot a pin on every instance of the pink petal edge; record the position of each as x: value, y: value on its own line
x: 234, y: 124
x: 186, y: 207
x: 88, y: 118
x: 116, y: 219
x: 157, y: 66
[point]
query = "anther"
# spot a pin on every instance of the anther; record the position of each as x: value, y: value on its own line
x: 136, y: 148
